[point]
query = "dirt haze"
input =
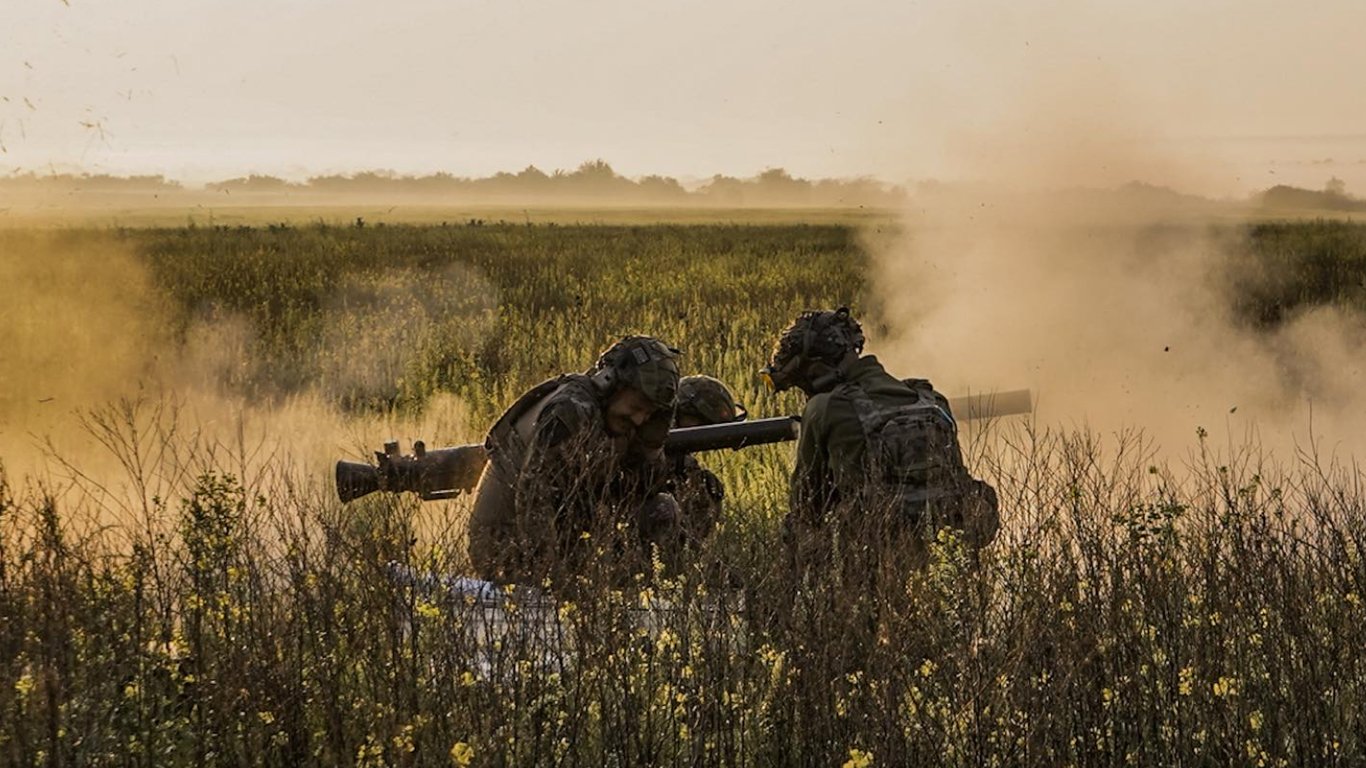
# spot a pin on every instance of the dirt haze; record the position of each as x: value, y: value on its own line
x: 1114, y: 307
x: 92, y: 356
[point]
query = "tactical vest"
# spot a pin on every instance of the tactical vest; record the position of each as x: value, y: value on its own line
x: 912, y: 461
x: 509, y: 437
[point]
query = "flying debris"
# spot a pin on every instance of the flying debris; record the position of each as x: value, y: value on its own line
x: 94, y: 125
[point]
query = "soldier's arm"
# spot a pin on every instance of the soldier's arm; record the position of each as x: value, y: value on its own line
x: 700, y: 494
x: 810, y: 488
x: 646, y: 468
x: 549, y: 485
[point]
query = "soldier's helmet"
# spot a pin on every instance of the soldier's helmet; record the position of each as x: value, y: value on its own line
x: 642, y: 363
x: 815, y: 336
x: 706, y: 401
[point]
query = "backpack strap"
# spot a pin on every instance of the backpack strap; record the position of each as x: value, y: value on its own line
x: 926, y: 391
x: 504, y: 429
x: 871, y: 416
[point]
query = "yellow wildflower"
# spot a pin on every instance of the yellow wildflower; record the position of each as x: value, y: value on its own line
x: 462, y: 754
x: 1226, y: 687
x: 24, y: 685
x: 858, y: 759
x: 1187, y: 684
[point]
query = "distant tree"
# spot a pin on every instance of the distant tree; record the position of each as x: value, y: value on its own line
x: 329, y: 183
x: 662, y: 188
x: 775, y: 176
x: 532, y: 174
x: 596, y: 178
x: 252, y: 183
x: 776, y: 186
x: 1283, y: 196
x: 723, y: 190
x: 441, y: 182
x: 597, y: 170
x: 1336, y: 186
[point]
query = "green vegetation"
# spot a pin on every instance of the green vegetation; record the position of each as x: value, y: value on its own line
x: 1296, y: 266
x: 1128, y: 614
x: 543, y: 299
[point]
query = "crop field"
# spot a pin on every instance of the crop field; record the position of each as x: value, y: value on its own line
x: 182, y: 596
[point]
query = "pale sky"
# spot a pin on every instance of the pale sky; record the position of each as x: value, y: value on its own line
x: 1216, y: 96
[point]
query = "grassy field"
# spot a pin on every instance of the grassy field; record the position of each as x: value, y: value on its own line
x: 1128, y: 614
x: 215, y: 212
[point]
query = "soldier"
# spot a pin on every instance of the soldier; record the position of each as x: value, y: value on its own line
x: 702, y: 401
x: 878, y: 457
x: 576, y: 470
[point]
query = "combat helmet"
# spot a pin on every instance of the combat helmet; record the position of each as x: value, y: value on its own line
x: 642, y: 363
x: 707, y: 401
x: 815, y: 336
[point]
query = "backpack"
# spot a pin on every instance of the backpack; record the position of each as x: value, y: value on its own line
x: 913, y: 458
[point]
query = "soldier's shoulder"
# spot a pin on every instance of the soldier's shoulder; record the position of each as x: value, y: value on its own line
x: 501, y: 428
x: 572, y: 409
x: 817, y: 407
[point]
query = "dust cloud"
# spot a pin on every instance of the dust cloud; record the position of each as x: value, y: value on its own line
x: 1063, y: 260
x: 1112, y: 303
x: 98, y: 371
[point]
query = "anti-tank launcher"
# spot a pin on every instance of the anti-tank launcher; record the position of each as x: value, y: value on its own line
x: 444, y: 473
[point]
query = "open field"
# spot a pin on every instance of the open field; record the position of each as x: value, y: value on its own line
x: 214, y: 212
x: 183, y: 595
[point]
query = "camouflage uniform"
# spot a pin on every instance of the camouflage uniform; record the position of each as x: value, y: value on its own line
x: 560, y: 490
x: 702, y: 400
x: 888, y: 500
x: 835, y: 477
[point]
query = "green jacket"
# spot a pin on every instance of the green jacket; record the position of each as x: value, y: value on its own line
x: 830, y: 453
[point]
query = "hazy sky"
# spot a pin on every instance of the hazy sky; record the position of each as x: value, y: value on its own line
x: 1213, y: 96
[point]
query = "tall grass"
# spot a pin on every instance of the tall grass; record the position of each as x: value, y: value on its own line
x: 1125, y: 616
x: 1130, y: 612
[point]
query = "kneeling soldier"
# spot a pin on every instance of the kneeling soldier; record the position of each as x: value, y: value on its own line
x: 878, y: 457
x: 702, y: 401
x: 577, y: 469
